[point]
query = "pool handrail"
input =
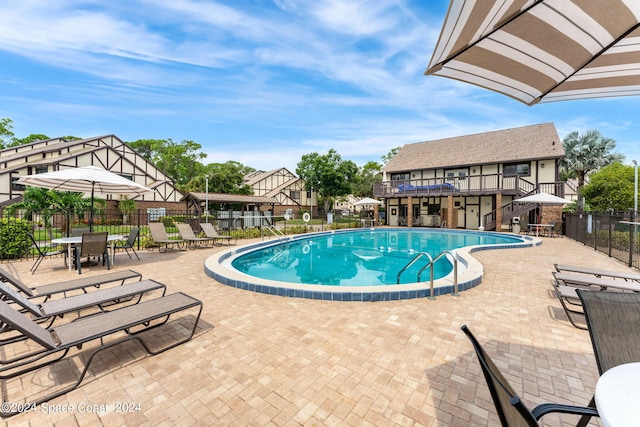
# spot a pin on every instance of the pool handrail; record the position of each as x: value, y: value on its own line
x: 431, y: 270
x: 432, y: 263
x: 410, y: 263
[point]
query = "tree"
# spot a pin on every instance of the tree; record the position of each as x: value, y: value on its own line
x: 227, y: 178
x: 27, y: 140
x: 390, y: 155
x: 35, y: 201
x: 179, y: 160
x: 126, y: 206
x: 586, y: 153
x: 70, y: 203
x: 611, y: 188
x: 327, y: 174
x: 6, y: 135
x: 367, y: 176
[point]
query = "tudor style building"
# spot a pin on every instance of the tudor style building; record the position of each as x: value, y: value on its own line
x: 286, y: 188
x: 472, y: 181
x: 108, y: 152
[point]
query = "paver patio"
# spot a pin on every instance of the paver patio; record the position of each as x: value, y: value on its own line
x: 261, y: 360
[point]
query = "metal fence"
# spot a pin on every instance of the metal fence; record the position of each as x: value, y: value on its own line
x: 613, y: 233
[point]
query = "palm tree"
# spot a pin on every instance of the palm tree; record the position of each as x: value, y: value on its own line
x: 36, y: 201
x: 71, y: 203
x: 586, y: 153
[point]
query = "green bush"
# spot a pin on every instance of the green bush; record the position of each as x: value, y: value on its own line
x: 14, y: 239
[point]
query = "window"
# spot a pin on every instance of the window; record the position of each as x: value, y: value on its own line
x: 400, y: 176
x: 15, y: 185
x: 517, y: 169
x: 295, y: 195
x: 129, y: 177
x: 41, y: 169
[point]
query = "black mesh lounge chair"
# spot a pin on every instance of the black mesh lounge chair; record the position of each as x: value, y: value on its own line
x: 100, y: 299
x: 189, y: 236
x: 613, y: 319
x: 44, y: 252
x: 210, y: 231
x: 93, y: 244
x: 130, y: 243
x: 511, y: 410
x: 47, y: 346
x: 160, y: 236
x: 47, y: 291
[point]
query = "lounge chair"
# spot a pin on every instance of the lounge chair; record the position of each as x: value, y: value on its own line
x: 60, y: 340
x: 613, y: 319
x: 589, y: 280
x: 626, y: 275
x: 47, y: 291
x: 100, y: 299
x: 160, y: 236
x: 93, y: 244
x: 570, y: 302
x: 189, y: 236
x: 130, y: 242
x: 511, y: 410
x: 44, y: 252
x: 210, y: 231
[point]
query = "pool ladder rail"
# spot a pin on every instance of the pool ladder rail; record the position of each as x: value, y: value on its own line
x: 276, y: 232
x: 430, y: 266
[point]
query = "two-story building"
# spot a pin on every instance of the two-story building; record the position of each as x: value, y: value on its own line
x: 285, y: 187
x: 472, y: 181
x: 108, y: 152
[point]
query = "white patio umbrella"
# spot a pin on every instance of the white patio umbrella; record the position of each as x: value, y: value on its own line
x: 367, y: 201
x: 542, y: 50
x: 87, y: 179
x: 544, y: 199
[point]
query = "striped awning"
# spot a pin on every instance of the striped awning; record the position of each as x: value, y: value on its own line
x: 542, y: 50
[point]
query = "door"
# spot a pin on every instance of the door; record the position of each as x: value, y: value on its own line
x: 472, y: 217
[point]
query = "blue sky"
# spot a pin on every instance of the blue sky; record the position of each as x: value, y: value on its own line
x: 259, y: 82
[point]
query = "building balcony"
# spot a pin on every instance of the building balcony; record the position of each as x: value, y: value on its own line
x: 474, y: 185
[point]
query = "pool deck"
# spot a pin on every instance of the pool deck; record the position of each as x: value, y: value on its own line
x: 262, y: 360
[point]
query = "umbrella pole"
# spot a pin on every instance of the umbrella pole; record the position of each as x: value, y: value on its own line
x: 91, y: 214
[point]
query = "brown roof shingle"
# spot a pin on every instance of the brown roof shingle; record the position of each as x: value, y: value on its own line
x: 539, y: 141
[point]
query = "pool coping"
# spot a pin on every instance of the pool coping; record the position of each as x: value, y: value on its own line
x: 218, y: 268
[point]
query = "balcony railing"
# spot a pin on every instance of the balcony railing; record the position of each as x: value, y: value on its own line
x: 464, y: 185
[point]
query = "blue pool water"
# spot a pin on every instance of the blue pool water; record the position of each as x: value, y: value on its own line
x: 364, y: 258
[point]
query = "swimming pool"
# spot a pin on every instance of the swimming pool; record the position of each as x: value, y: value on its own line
x: 358, y: 265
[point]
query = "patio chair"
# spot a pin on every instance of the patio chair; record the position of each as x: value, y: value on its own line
x: 511, y: 410
x: 556, y: 229
x: 189, y: 236
x: 79, y: 231
x: 46, y: 346
x: 47, y: 291
x: 130, y: 242
x: 160, y: 236
x: 613, y: 319
x: 93, y: 244
x: 44, y: 252
x: 211, y: 232
x: 50, y: 310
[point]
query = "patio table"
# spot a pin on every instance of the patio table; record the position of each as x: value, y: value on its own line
x: 541, y: 228
x: 69, y: 242
x: 617, y: 396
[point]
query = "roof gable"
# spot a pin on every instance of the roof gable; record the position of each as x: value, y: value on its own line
x: 503, y: 146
